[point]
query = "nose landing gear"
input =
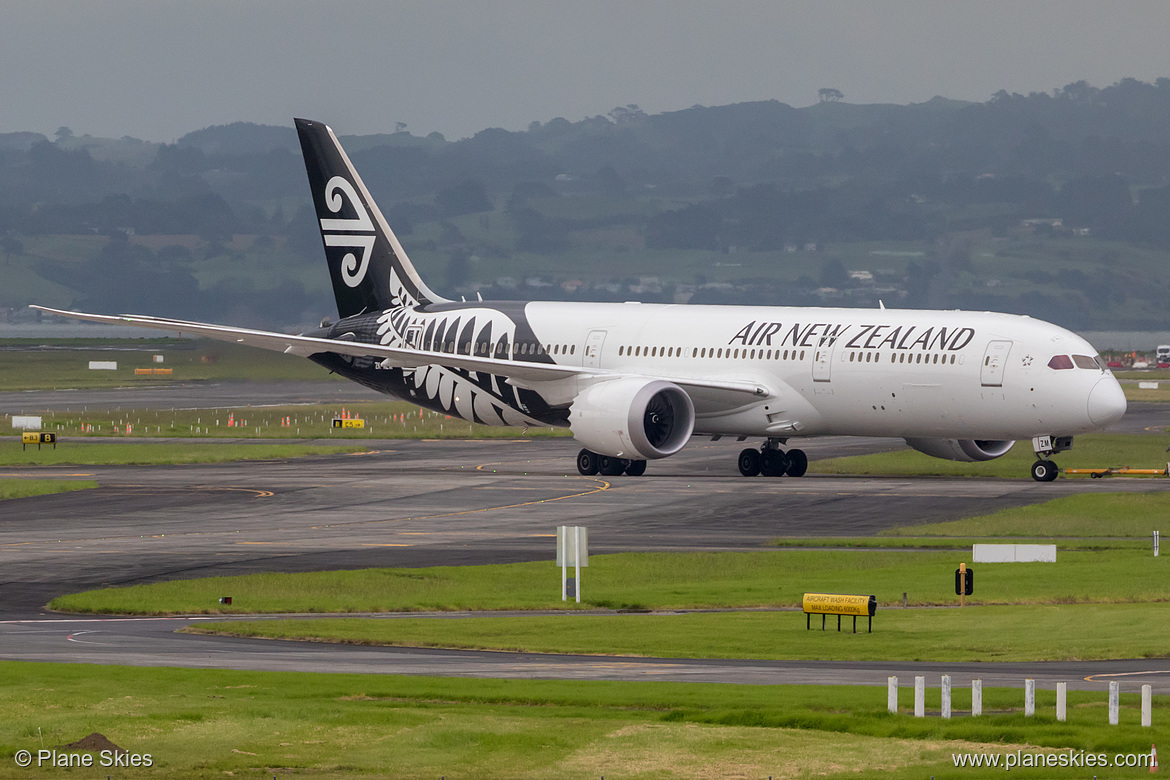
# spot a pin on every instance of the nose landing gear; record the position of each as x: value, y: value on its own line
x: 1044, y: 470
x: 771, y: 461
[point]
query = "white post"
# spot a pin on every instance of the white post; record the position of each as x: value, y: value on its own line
x: 564, y: 538
x: 1029, y: 697
x: 946, y: 696
x: 976, y: 698
x: 1147, y: 705
x: 1062, y: 701
x: 892, y: 695
x: 1155, y: 544
x: 577, y: 559
x: 1114, y: 702
x: 920, y: 697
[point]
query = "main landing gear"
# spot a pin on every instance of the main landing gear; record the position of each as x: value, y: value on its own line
x: 1044, y: 470
x: 590, y: 463
x: 771, y: 461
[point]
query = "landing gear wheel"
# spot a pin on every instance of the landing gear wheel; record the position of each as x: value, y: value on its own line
x: 749, y: 462
x: 1044, y: 471
x: 773, y: 463
x: 587, y: 463
x: 610, y: 467
x: 636, y: 468
x: 797, y: 463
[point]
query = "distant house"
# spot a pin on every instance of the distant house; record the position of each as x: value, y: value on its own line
x: 865, y: 277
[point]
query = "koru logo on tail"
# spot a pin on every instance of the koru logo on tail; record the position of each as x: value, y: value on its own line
x: 355, y: 233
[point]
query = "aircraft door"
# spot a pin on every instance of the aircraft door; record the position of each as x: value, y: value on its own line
x: 994, y: 360
x: 823, y: 360
x: 591, y: 356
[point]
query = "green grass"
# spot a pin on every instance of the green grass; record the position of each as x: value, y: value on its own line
x: 1087, y: 517
x: 211, y: 724
x: 383, y: 420
x: 999, y: 633
x: 198, y: 360
x: 655, y: 581
x: 1135, y: 393
x: 108, y: 454
x: 1090, y: 451
x: 24, y: 488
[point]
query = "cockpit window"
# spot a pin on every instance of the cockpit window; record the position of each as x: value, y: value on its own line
x: 1060, y: 362
x: 1084, y: 361
x: 1100, y: 361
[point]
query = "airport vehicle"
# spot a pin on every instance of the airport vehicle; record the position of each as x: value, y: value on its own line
x: 635, y: 382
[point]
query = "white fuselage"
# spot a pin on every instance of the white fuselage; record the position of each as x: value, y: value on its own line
x: 867, y: 372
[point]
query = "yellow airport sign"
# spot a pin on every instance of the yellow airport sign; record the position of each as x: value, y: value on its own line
x: 338, y: 422
x: 839, y: 604
x: 31, y: 437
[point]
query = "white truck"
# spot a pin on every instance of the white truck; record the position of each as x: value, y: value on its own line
x: 1163, y: 354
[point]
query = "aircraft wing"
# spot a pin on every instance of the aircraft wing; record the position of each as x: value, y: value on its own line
x: 303, y: 346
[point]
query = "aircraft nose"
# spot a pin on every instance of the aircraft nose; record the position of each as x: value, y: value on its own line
x: 1106, y: 402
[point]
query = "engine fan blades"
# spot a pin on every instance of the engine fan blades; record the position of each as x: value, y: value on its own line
x: 658, y: 420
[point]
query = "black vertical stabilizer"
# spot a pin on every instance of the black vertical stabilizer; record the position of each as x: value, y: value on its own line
x: 369, y: 269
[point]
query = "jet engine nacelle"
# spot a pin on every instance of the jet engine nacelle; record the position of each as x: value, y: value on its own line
x: 639, y: 419
x: 965, y: 450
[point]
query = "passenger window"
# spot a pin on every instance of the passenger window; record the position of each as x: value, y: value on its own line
x: 1060, y: 362
x: 1084, y: 361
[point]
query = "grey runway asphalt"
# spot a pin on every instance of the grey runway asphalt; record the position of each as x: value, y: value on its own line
x: 152, y: 642
x: 417, y: 503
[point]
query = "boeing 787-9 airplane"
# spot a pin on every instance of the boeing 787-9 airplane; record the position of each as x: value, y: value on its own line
x: 635, y: 382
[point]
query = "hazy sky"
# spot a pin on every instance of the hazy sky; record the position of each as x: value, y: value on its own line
x: 157, y: 69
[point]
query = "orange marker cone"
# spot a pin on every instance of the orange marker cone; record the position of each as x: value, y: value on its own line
x: 1154, y: 756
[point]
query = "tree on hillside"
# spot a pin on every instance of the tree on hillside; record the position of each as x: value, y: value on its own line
x: 11, y: 246
x: 829, y: 95
x: 626, y: 115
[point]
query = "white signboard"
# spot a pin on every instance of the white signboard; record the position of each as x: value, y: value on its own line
x: 1013, y: 553
x: 567, y: 539
x: 26, y: 423
x: 103, y: 365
